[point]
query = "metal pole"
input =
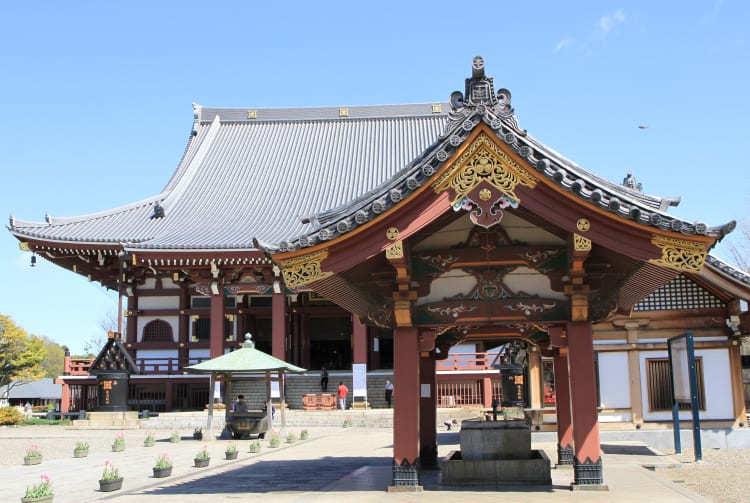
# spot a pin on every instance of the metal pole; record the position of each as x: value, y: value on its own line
x: 694, y: 400
x: 675, y: 406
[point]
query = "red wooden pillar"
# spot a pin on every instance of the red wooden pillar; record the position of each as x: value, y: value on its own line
x: 183, y: 328
x: 562, y: 403
x: 216, y: 339
x: 359, y: 340
x: 406, y: 410
x: 428, y: 409
x: 278, y: 324
x: 587, y: 460
x: 131, y: 325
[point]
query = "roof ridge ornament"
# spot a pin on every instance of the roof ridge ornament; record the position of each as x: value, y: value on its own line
x: 480, y: 98
x: 248, y: 341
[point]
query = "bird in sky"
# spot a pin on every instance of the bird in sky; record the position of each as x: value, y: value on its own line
x: 642, y: 127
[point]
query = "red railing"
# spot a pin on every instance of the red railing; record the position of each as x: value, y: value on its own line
x: 466, y: 361
x: 162, y: 366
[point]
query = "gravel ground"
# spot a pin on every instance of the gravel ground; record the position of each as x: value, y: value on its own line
x: 722, y: 475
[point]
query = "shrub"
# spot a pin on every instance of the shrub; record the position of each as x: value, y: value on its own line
x: 10, y: 416
x: 82, y: 445
x: 110, y: 472
x: 203, y: 453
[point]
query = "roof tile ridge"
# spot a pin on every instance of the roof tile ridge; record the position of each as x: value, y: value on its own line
x: 51, y: 221
x: 192, y: 167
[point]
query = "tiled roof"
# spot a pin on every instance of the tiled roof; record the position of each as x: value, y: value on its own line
x: 290, y: 178
x: 242, y: 179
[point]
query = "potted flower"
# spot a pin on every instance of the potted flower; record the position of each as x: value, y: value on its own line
x: 231, y: 451
x: 119, y: 444
x: 275, y: 440
x: 33, y: 455
x: 39, y: 493
x: 163, y: 466
x: 202, y: 458
x: 149, y: 440
x: 255, y: 446
x: 81, y: 449
x: 291, y: 438
x: 198, y: 434
x: 303, y: 435
x: 174, y: 437
x: 348, y: 422
x: 111, y: 479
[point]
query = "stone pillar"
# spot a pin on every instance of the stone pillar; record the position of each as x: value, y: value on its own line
x: 359, y: 340
x: 278, y: 324
x: 406, y: 411
x: 427, y: 402
x: 216, y: 339
x: 587, y: 460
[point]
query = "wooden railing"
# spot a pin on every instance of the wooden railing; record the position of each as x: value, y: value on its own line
x: 466, y: 361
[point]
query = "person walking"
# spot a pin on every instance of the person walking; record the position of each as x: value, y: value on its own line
x: 388, y: 392
x: 342, y: 392
x: 324, y: 379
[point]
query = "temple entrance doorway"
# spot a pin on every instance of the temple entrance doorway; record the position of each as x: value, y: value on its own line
x: 331, y: 343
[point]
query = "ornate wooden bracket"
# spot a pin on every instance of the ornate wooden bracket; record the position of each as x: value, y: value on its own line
x: 483, y: 180
x: 403, y: 297
x: 680, y: 254
x: 305, y: 269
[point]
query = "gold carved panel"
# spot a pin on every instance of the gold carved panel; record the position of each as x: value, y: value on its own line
x: 581, y: 243
x: 484, y: 160
x: 680, y: 254
x: 305, y: 269
x: 396, y: 250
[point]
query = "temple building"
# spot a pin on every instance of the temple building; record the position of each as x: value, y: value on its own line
x: 391, y: 236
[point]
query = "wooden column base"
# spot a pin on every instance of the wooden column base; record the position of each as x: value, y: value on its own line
x: 405, y: 477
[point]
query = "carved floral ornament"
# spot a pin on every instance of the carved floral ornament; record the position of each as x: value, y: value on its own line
x: 484, y: 179
x: 302, y: 270
x: 680, y: 254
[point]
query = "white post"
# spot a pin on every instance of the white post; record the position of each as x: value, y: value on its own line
x: 210, y: 420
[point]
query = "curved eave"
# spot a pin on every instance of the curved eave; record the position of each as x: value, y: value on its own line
x: 621, y: 202
x: 727, y: 277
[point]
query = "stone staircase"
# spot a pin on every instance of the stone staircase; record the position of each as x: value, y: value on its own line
x: 299, y: 385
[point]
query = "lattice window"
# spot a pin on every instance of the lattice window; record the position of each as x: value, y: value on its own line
x: 660, y: 385
x: 157, y: 331
x: 680, y: 293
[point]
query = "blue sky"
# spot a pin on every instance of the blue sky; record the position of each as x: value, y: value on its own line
x: 96, y: 99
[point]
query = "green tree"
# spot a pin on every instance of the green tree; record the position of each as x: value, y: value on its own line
x: 54, y: 359
x: 21, y: 355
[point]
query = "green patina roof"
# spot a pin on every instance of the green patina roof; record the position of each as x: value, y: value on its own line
x: 245, y: 360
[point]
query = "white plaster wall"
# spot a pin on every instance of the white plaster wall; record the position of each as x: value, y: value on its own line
x: 717, y: 382
x: 172, y: 320
x: 450, y: 283
x: 158, y: 302
x: 524, y: 279
x: 614, y: 389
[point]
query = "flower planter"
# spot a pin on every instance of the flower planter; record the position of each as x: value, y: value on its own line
x: 274, y: 443
x: 254, y: 448
x: 347, y: 425
x: 34, y: 460
x: 160, y: 473
x: 118, y: 447
x: 40, y: 499
x: 201, y: 463
x: 81, y: 453
x: 231, y: 455
x: 174, y: 440
x: 107, y: 486
x: 148, y: 443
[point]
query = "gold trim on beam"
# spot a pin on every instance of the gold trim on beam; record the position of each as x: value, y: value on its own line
x: 484, y: 160
x: 302, y: 270
x: 680, y: 254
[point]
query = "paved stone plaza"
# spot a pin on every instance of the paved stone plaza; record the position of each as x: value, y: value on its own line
x: 334, y: 464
